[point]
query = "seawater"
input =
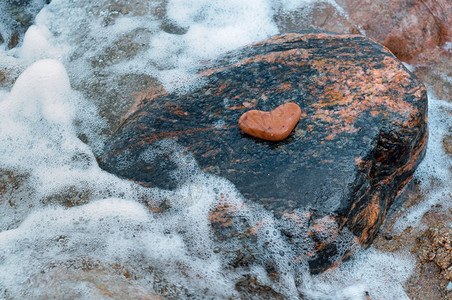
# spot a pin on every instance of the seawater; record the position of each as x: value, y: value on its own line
x: 71, y: 230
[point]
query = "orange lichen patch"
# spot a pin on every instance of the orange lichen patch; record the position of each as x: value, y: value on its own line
x: 295, y: 217
x: 155, y: 209
x: 374, y: 113
x: 224, y: 213
x: 326, y: 161
x: 222, y: 87
x: 369, y: 217
x: 235, y: 161
x: 176, y: 110
x: 250, y: 104
x: 221, y: 217
x: 414, y: 159
x: 363, y: 164
x: 144, y: 97
x: 150, y: 94
x: 284, y: 87
x: 289, y: 57
x: 374, y: 88
x: 336, y: 36
x: 330, y: 137
x: 334, y: 98
x: 180, y: 113
x: 211, y: 153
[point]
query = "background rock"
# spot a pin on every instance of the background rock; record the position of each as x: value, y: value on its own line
x: 407, y: 28
x: 415, y: 31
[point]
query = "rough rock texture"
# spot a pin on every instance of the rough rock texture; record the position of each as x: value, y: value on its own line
x: 362, y: 132
x: 436, y: 71
x: 429, y: 279
x: 318, y: 15
x: 416, y: 31
x: 407, y: 28
x: 438, y: 244
x: 104, y: 282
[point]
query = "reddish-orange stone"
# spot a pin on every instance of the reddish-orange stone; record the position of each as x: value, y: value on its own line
x: 273, y: 125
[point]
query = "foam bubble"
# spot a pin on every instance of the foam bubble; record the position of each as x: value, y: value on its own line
x: 36, y: 44
x: 448, y: 46
x: 434, y: 172
x: 371, y: 274
x: 38, y: 117
x: 290, y: 5
x: 36, y: 102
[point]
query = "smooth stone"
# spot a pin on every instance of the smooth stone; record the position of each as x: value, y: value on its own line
x: 274, y: 125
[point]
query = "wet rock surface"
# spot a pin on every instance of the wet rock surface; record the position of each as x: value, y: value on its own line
x: 318, y: 15
x: 361, y: 135
x: 417, y: 32
x: 407, y: 28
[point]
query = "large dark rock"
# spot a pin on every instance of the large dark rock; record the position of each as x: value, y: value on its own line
x: 362, y: 133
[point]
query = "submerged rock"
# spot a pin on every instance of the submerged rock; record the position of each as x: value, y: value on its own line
x: 362, y: 133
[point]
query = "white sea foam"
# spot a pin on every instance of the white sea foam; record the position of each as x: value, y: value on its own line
x: 448, y: 46
x: 71, y: 61
x: 108, y: 231
x: 38, y: 135
x: 36, y: 44
x: 372, y: 274
x: 39, y: 120
x: 434, y: 172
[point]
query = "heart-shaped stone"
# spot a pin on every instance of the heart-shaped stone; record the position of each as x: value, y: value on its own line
x: 273, y: 125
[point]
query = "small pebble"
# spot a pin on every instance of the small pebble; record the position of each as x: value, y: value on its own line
x: 388, y: 237
x: 274, y: 125
x: 449, y: 287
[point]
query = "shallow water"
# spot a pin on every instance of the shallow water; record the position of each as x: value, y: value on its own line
x: 68, y: 229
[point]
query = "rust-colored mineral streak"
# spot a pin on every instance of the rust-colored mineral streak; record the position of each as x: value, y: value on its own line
x: 273, y: 125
